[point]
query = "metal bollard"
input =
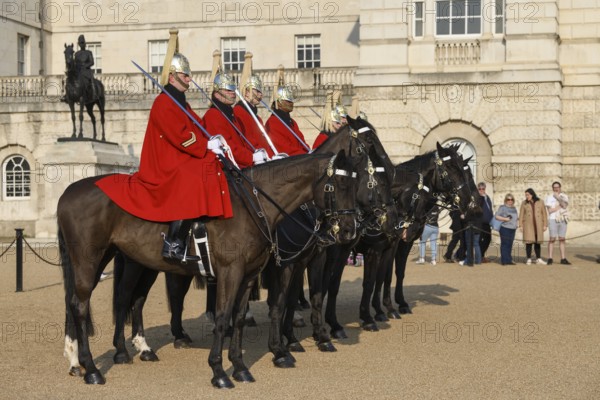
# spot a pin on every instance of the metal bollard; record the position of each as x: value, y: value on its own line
x: 19, y: 244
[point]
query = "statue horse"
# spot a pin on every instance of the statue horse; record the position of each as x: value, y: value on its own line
x: 74, y: 93
x: 91, y: 228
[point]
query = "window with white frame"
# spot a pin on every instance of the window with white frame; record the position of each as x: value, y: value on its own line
x: 96, y: 49
x: 499, y: 21
x: 458, y: 17
x: 233, y: 51
x: 16, y: 178
x: 419, y: 19
x: 157, y: 51
x: 308, y: 51
x: 22, y: 41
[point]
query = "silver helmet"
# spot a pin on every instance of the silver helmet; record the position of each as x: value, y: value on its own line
x: 223, y: 81
x: 180, y: 63
x: 341, y: 110
x: 254, y: 82
x: 335, y: 116
x: 285, y: 93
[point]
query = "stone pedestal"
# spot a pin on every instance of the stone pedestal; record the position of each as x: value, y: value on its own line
x: 66, y: 161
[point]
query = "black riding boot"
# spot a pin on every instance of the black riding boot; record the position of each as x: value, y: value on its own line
x: 174, y: 246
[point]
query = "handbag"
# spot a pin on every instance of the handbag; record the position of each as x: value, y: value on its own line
x: 495, y: 224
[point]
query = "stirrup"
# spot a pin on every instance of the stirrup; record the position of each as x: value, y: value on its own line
x: 172, y: 250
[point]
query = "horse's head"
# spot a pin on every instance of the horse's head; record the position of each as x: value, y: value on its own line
x: 335, y: 195
x: 374, y: 195
x: 414, y: 198
x: 69, y: 53
x: 454, y: 179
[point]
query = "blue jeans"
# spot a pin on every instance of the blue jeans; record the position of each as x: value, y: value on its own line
x: 507, y: 237
x: 477, y: 250
x: 429, y: 233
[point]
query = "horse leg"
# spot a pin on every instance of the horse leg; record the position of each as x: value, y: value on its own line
x: 336, y: 261
x: 140, y: 295
x: 319, y: 276
x: 369, y: 274
x: 177, y: 288
x: 81, y: 118
x: 125, y: 278
x: 278, y: 278
x: 291, y: 288
x: 101, y: 107
x: 228, y: 287
x: 401, y: 257
x: 81, y: 273
x: 72, y: 108
x: 388, y: 260
x: 240, y: 370
x: 382, y: 271
x: 90, y: 111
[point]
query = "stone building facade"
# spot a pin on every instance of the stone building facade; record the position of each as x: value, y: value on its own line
x: 516, y: 83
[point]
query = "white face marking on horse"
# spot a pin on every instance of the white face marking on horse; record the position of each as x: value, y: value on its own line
x: 140, y: 343
x: 71, y: 352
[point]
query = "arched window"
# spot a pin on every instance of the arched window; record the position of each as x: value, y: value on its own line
x: 467, y: 150
x: 16, y: 178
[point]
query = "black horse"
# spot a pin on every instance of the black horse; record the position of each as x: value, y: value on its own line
x: 444, y: 169
x: 75, y: 93
x: 91, y: 228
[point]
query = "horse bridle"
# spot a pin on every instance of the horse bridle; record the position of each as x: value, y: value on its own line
x: 416, y: 196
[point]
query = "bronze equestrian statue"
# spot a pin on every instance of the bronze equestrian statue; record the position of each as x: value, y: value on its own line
x: 81, y: 86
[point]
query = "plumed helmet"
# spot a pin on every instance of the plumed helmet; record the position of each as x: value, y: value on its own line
x: 223, y: 81
x: 363, y: 116
x: 180, y: 63
x: 254, y: 82
x: 335, y: 116
x: 285, y: 93
x: 341, y: 110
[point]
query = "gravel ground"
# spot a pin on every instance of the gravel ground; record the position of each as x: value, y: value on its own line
x: 514, y: 332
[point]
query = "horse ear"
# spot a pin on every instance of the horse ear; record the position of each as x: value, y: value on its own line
x: 65, y: 45
x: 439, y: 147
x: 467, y: 160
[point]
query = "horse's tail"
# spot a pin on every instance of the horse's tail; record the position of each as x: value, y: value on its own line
x: 69, y: 283
x: 118, y: 272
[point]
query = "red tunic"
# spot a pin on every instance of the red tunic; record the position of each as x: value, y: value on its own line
x: 177, y: 178
x: 250, y: 129
x: 323, y: 136
x: 217, y: 124
x: 283, y: 139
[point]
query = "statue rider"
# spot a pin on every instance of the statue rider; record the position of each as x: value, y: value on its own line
x: 84, y: 59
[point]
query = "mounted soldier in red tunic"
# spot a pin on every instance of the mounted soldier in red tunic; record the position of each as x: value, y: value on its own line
x: 179, y: 179
x: 284, y: 131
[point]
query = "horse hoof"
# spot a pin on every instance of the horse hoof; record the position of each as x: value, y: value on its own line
x: 94, y: 378
x: 381, y: 318
x: 76, y: 371
x: 182, y: 343
x: 295, y: 347
x: 339, y: 334
x: 326, y: 347
x: 370, y: 327
x: 394, y: 315
x: 299, y: 323
x: 243, y: 376
x: 284, y: 362
x: 222, y: 383
x: 250, y: 322
x: 122, y: 358
x: 148, y: 355
x: 405, y: 310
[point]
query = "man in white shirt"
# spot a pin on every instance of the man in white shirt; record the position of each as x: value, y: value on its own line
x: 558, y: 217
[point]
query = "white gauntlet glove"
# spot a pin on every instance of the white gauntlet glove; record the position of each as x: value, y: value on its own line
x: 279, y: 156
x: 216, y: 144
x: 260, y: 156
